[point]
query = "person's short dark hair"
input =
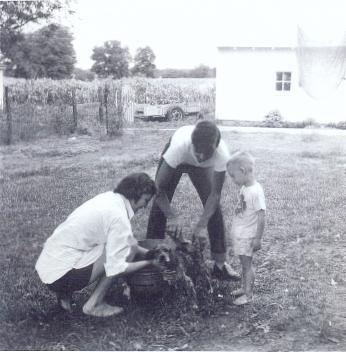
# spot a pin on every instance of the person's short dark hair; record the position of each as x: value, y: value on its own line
x: 204, y: 136
x: 135, y: 185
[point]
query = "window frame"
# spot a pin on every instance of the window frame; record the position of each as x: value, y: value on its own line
x: 283, y: 81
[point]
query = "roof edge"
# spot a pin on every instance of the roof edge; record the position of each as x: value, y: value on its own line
x: 223, y: 47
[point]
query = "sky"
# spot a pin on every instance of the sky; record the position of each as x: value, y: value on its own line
x: 186, y: 33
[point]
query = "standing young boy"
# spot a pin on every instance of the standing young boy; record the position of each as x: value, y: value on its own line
x: 248, y: 221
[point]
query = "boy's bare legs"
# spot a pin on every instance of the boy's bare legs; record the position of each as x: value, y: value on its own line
x: 248, y: 280
x: 239, y: 291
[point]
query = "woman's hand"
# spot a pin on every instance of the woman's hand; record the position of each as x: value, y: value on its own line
x: 159, y: 264
x: 159, y: 257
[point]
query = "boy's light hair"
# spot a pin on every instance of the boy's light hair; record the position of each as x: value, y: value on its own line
x: 243, y: 159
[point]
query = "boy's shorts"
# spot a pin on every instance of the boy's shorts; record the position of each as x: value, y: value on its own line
x: 73, y: 280
x: 242, y: 246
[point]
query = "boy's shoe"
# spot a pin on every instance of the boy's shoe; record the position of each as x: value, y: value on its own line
x: 240, y: 301
x: 238, y: 292
x: 226, y: 273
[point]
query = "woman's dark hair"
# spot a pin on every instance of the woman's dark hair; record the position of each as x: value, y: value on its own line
x: 205, y: 134
x: 135, y: 185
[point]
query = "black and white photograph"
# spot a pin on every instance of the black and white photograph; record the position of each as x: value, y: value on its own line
x: 173, y: 175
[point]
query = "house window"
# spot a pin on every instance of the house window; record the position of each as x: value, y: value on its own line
x: 283, y: 81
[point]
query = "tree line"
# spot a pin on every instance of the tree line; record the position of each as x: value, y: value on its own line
x: 49, y: 53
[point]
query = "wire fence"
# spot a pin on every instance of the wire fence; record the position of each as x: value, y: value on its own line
x: 28, y: 120
x: 35, y: 110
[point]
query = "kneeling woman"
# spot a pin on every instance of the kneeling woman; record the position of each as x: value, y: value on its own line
x: 96, y: 243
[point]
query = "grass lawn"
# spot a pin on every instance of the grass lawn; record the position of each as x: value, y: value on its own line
x: 300, y: 282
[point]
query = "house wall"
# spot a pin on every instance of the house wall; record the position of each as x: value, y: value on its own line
x: 245, y: 88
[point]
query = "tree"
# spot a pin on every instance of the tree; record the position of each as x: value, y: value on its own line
x: 47, y: 52
x: 144, y: 62
x: 83, y: 75
x: 19, y: 62
x: 172, y: 73
x: 111, y: 60
x: 201, y: 71
x: 14, y: 15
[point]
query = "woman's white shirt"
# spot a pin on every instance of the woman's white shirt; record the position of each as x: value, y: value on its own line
x: 100, y: 224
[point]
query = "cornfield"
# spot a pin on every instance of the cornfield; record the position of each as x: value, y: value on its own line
x: 145, y: 91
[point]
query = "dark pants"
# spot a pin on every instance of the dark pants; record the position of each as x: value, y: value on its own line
x: 201, y: 178
x: 74, y: 280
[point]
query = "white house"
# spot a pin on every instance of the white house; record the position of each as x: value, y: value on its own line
x: 258, y: 73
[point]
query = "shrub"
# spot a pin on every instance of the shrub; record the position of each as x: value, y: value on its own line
x: 273, y: 119
x: 310, y: 122
x: 341, y: 125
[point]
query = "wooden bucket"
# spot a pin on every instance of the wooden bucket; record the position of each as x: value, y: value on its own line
x: 147, y: 281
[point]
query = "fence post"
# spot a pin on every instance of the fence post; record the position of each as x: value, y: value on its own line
x: 8, y: 117
x: 100, y: 97
x: 74, y: 111
x: 2, y: 68
x: 119, y: 108
x: 105, y: 94
x: 128, y: 104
